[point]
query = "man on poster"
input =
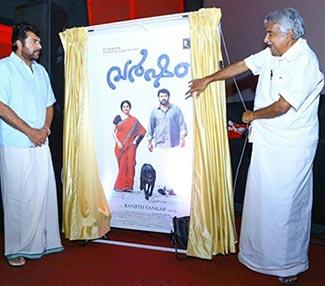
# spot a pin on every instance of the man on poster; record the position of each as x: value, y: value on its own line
x: 168, y: 129
x: 166, y: 125
x: 276, y: 217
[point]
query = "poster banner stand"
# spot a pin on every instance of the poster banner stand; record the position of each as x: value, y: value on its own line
x: 144, y: 146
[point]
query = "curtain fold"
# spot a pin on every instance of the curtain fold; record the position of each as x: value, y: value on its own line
x: 86, y: 214
x: 212, y: 227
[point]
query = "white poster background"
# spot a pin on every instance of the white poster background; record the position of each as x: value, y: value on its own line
x: 113, y: 45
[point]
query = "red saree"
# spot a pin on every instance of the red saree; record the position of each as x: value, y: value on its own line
x: 126, y: 131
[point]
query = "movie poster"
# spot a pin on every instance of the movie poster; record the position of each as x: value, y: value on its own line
x: 144, y: 142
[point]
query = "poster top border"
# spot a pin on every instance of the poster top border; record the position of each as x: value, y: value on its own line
x: 177, y: 16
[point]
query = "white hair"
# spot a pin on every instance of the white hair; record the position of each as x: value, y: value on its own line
x: 288, y: 19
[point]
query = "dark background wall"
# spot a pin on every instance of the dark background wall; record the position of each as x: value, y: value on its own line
x: 243, y: 29
x: 75, y: 9
x: 242, y: 24
x: 113, y: 11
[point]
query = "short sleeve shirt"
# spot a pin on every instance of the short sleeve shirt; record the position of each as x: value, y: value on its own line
x: 28, y: 92
x: 296, y: 77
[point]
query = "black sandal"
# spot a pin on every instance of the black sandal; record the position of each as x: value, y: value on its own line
x: 289, y: 280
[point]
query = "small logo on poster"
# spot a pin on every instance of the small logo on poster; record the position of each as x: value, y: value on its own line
x: 114, y: 50
x: 186, y: 43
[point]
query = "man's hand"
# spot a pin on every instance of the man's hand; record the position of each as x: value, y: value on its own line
x: 150, y: 146
x: 248, y: 116
x: 182, y: 142
x: 199, y: 85
x: 196, y: 87
x: 277, y: 108
x: 38, y: 136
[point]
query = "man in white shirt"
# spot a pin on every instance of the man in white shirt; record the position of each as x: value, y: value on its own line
x: 27, y: 177
x: 276, y: 217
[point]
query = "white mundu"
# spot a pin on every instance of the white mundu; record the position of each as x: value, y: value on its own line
x: 277, y: 208
x: 33, y: 211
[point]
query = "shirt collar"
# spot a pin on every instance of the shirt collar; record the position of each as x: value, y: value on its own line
x: 169, y: 106
x: 294, y: 50
x: 18, y: 61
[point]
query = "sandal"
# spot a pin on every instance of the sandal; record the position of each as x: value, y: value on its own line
x: 289, y: 280
x: 17, y: 262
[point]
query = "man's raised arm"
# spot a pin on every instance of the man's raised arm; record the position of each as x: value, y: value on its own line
x: 199, y: 85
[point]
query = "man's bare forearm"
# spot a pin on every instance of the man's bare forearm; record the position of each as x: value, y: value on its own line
x: 11, y: 118
x: 228, y: 72
x: 199, y: 85
x: 275, y: 109
x: 49, y: 117
x: 36, y: 136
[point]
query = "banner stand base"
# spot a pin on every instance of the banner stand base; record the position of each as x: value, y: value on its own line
x: 143, y: 246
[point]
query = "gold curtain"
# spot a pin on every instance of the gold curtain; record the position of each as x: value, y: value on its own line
x: 212, y: 228
x: 85, y: 211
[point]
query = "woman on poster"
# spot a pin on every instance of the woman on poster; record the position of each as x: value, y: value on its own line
x: 128, y: 133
